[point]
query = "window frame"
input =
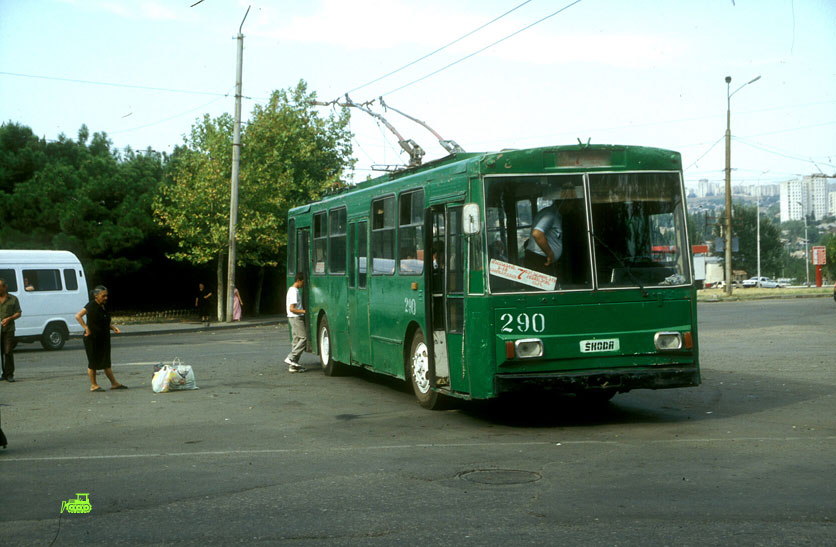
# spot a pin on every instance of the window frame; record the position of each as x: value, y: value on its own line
x: 392, y: 229
x: 335, y: 238
x: 322, y: 239
x: 414, y: 223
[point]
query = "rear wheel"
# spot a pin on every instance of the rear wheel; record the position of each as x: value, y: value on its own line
x: 329, y: 366
x: 418, y: 365
x: 53, y: 337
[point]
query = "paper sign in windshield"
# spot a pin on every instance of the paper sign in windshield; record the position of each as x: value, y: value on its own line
x: 522, y: 275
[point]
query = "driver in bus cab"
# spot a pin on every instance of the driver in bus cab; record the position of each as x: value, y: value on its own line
x: 545, y: 245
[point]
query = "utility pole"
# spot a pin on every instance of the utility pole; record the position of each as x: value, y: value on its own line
x: 728, y: 261
x: 236, y: 160
x: 728, y: 181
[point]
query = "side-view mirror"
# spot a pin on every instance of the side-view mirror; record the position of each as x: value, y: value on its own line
x: 470, y: 216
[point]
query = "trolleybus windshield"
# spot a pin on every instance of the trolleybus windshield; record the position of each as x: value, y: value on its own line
x: 634, y: 221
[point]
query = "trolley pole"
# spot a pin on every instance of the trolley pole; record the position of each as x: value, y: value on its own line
x: 236, y: 160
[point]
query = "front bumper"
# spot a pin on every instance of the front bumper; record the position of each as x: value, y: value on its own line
x: 618, y: 379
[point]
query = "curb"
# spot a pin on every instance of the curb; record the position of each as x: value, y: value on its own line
x: 201, y: 328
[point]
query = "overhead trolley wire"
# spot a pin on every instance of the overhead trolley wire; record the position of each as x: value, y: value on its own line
x: 459, y: 39
x: 111, y: 84
x: 564, y: 8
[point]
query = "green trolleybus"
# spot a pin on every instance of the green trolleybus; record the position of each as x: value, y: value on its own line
x: 426, y: 274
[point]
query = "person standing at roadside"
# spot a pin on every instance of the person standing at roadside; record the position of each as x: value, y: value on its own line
x: 9, y: 311
x: 296, y: 320
x: 237, y: 305
x: 97, y: 338
x: 201, y: 302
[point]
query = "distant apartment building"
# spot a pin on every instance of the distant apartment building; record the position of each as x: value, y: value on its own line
x: 831, y: 202
x: 807, y: 196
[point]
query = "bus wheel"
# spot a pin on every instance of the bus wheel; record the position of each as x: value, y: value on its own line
x: 599, y: 397
x: 418, y: 365
x: 329, y: 366
x: 53, y: 337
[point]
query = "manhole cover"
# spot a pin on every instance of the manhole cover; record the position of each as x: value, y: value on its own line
x: 500, y: 476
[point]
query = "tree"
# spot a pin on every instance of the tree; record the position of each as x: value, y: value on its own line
x: 193, y: 206
x: 290, y: 155
x: 76, y: 196
x: 744, y: 226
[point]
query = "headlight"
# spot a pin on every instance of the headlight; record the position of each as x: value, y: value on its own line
x: 667, y: 341
x: 527, y: 348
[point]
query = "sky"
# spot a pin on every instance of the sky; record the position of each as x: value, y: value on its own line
x: 649, y: 73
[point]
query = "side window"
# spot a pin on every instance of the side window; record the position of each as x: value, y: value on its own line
x: 383, y: 235
x: 291, y: 246
x: 362, y: 253
x: 70, y: 280
x: 336, y: 241
x: 9, y: 277
x: 411, y: 233
x: 352, y: 234
x: 42, y: 280
x: 320, y: 237
x: 455, y: 251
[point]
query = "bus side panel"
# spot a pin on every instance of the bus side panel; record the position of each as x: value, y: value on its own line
x: 479, y: 349
x: 390, y: 308
x: 329, y: 294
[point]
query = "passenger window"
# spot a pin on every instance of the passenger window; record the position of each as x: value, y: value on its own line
x: 336, y: 242
x: 41, y: 280
x: 411, y: 233
x: 383, y: 235
x: 70, y: 280
x: 352, y: 231
x: 320, y: 242
x: 291, y: 247
x: 9, y: 277
x: 362, y: 253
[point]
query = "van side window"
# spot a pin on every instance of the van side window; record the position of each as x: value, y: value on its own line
x: 9, y: 277
x: 70, y: 280
x: 41, y: 280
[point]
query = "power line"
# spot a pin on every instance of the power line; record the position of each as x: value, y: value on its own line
x: 171, y: 117
x: 459, y: 39
x: 112, y: 84
x: 564, y: 8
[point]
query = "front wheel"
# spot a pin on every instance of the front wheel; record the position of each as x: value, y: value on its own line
x: 329, y: 366
x: 53, y: 337
x: 418, y: 366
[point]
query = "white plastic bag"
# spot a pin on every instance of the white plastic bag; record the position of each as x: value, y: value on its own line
x: 182, y: 377
x: 162, y: 378
x: 174, y: 377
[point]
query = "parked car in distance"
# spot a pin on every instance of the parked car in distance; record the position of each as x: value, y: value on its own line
x: 765, y: 282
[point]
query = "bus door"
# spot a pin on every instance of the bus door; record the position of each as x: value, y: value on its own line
x: 303, y: 258
x: 358, y: 293
x: 446, y: 290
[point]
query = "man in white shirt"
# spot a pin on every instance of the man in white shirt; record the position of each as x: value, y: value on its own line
x: 296, y: 320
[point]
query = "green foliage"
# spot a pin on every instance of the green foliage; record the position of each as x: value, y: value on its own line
x: 290, y: 155
x: 829, y: 241
x: 744, y: 226
x: 75, y: 196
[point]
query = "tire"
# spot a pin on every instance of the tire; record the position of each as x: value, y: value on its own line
x: 330, y: 367
x: 53, y: 337
x: 596, y: 398
x: 418, y: 371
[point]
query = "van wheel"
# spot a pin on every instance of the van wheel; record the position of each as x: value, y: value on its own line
x: 418, y: 367
x: 326, y: 350
x: 53, y: 337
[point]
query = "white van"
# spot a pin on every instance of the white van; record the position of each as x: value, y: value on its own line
x: 51, y: 288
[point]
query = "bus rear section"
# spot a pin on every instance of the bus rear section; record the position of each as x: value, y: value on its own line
x: 616, y: 311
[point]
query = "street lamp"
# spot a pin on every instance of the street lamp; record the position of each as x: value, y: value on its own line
x: 758, y: 220
x: 728, y: 180
x: 806, y: 256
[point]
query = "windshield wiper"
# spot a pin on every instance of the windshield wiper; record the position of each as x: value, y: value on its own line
x: 621, y: 262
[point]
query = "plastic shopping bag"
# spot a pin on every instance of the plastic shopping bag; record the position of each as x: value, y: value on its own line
x: 162, y: 379
x: 174, y: 377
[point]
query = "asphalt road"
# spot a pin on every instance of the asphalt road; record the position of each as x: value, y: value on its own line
x: 258, y: 455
